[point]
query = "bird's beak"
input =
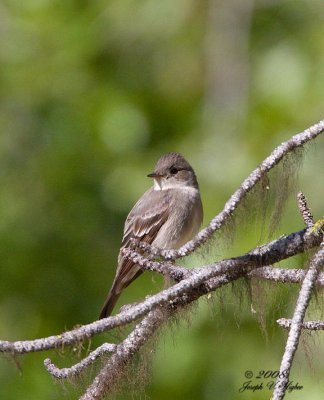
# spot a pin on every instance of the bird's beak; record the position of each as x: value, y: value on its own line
x: 154, y: 175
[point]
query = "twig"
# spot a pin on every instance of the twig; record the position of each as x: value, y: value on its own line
x: 309, y: 325
x: 296, y: 323
x: 165, y: 268
x: 305, y: 210
x: 283, y: 275
x: 60, y: 373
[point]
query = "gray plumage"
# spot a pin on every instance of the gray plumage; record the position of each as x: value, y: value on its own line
x: 168, y: 215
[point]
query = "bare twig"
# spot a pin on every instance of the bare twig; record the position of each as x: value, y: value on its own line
x: 296, y: 323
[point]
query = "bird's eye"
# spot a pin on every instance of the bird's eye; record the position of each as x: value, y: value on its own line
x: 173, y: 170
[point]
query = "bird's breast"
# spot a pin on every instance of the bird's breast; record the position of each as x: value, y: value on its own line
x: 184, y: 220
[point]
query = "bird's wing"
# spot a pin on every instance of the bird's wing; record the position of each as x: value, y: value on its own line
x: 147, y: 217
x: 143, y: 223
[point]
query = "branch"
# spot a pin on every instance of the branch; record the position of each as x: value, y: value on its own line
x: 165, y: 268
x: 110, y: 373
x: 275, y: 251
x: 76, y: 369
x: 296, y: 323
x: 305, y: 210
x: 309, y: 325
x: 283, y: 275
x: 178, y: 273
x: 248, y: 184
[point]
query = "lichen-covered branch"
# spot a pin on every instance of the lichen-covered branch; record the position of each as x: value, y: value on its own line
x: 309, y: 325
x: 305, y: 210
x: 60, y: 373
x: 275, y: 251
x: 115, y: 366
x: 296, y: 323
x: 270, y: 273
x: 283, y: 275
x: 165, y: 268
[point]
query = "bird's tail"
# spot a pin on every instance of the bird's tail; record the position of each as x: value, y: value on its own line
x: 126, y: 273
x: 110, y: 303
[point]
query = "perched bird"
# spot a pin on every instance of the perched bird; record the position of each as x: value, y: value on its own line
x: 167, y: 216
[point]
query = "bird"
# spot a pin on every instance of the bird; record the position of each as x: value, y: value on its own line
x: 167, y: 216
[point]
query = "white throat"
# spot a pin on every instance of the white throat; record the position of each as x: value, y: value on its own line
x: 165, y: 184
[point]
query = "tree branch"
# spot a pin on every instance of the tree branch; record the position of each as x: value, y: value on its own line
x: 309, y: 325
x: 296, y: 323
x: 275, y: 251
x: 305, y: 210
x: 115, y: 366
x: 283, y: 275
x: 76, y: 369
x: 165, y: 268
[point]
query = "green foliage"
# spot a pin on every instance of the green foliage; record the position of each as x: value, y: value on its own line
x: 92, y: 92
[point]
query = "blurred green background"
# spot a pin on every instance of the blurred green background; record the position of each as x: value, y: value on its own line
x: 91, y: 94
